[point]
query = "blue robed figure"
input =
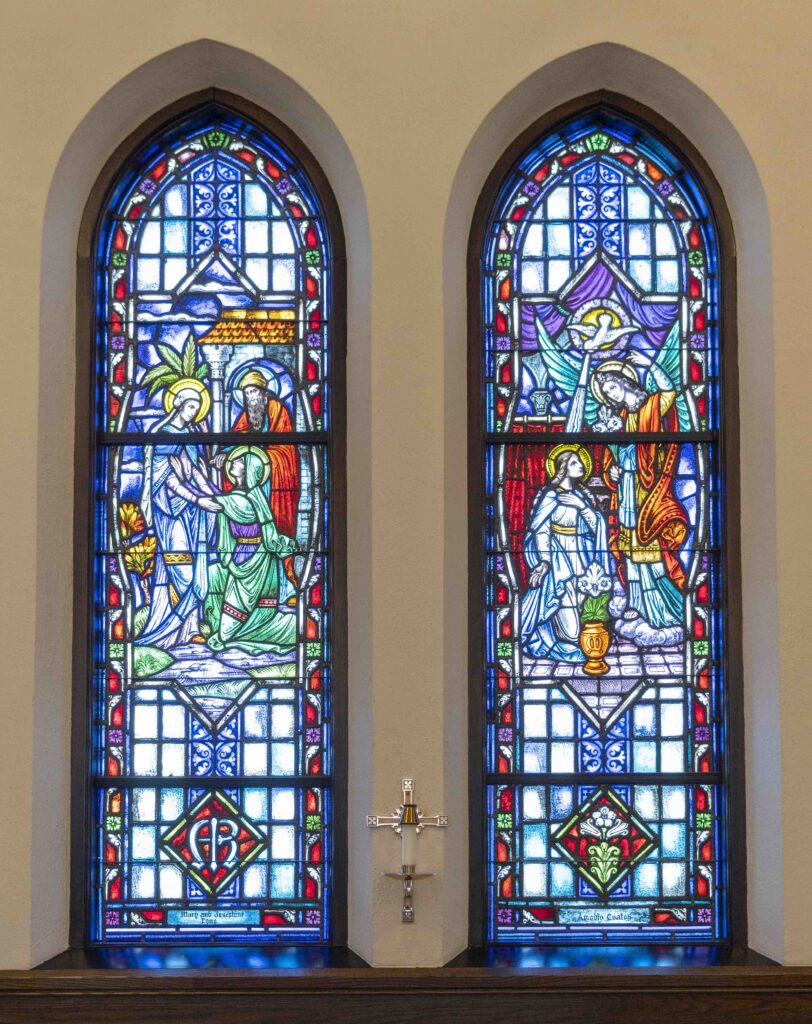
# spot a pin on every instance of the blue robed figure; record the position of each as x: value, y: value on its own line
x: 567, y: 534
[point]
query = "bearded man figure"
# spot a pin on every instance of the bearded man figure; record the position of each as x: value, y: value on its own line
x: 264, y: 412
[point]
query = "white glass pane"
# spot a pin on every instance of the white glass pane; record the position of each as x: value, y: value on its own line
x: 671, y: 716
x: 282, y: 805
x: 145, y: 759
x: 535, y: 757
x: 173, y: 761
x: 534, y: 241
x: 255, y: 718
x: 672, y: 840
x: 282, y: 842
x: 148, y: 275
x: 644, y: 724
x: 562, y: 880
x: 645, y: 880
x: 641, y: 272
x: 563, y: 721
x: 175, y: 201
x: 645, y: 757
x: 143, y: 882
x: 282, y: 722
x: 674, y: 802
x: 672, y: 757
x: 143, y: 842
x: 638, y: 203
x: 255, y: 759
x: 174, y: 271
x: 673, y: 879
x: 558, y: 240
x: 282, y: 881
x: 645, y: 802
x: 562, y: 757
x: 558, y: 203
x: 535, y: 841
x: 255, y: 803
x: 256, y: 236
x: 145, y: 722
x: 171, y: 881
x: 533, y: 277
x: 557, y: 273
x: 175, y: 236
x: 257, y: 270
x: 283, y: 276
x: 535, y: 720
x: 143, y: 804
x: 639, y: 240
x: 534, y: 879
x: 533, y: 804
x: 174, y: 723
x: 255, y: 881
x: 171, y: 804
x: 667, y: 276
x: 664, y: 237
x: 150, y: 240
x: 282, y: 240
x: 282, y: 758
x: 256, y: 200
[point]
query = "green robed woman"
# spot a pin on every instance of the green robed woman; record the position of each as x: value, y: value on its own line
x: 242, y: 606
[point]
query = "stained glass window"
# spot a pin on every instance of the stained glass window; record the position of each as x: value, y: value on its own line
x: 212, y: 808
x: 603, y: 562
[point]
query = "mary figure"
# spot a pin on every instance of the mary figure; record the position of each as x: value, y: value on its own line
x: 567, y: 534
x: 177, y: 503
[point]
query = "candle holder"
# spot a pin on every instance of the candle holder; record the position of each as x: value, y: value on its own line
x: 408, y: 822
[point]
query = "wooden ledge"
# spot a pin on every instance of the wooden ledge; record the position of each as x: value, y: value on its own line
x: 740, y: 994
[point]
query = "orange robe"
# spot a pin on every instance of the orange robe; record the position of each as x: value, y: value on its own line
x: 284, y: 458
x: 661, y: 520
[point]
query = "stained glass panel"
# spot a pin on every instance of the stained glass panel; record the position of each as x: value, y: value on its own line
x: 603, y: 547
x: 212, y: 724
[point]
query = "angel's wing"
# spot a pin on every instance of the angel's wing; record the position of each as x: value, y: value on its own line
x: 563, y: 369
x: 668, y: 360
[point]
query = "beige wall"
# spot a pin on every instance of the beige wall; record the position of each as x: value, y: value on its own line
x: 407, y: 104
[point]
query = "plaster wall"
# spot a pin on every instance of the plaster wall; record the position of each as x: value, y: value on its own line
x: 406, y: 105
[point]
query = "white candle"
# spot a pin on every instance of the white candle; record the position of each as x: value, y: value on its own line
x: 408, y: 845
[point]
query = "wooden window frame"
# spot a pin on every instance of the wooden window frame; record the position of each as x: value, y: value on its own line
x: 596, y: 103
x: 205, y: 101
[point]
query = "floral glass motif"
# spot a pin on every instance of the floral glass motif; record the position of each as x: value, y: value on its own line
x: 603, y: 597
x: 212, y: 725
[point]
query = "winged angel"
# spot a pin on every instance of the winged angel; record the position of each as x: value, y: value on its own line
x: 652, y: 525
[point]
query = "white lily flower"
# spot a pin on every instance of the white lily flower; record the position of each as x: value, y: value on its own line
x: 594, y: 581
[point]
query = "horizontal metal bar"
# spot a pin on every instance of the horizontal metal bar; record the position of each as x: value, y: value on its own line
x: 215, y: 437
x: 603, y: 778
x: 632, y: 437
x: 213, y: 781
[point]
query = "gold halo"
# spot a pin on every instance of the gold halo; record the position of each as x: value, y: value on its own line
x: 577, y: 449
x: 611, y: 366
x: 194, y: 385
x: 245, y: 449
x: 592, y: 316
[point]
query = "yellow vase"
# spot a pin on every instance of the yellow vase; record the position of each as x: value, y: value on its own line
x: 594, y: 640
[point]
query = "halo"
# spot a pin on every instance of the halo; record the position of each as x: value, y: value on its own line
x: 611, y: 366
x: 245, y: 449
x: 188, y: 384
x: 271, y: 382
x: 577, y: 449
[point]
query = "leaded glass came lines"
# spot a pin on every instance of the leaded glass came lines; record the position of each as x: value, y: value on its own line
x: 212, y: 562
x: 603, y: 549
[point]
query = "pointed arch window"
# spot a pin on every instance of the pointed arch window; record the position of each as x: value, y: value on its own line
x: 604, y: 593
x: 213, y: 797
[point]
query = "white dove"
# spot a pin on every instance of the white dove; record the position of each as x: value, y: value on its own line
x: 601, y: 335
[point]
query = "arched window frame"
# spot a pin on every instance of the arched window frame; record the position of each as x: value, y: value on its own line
x: 594, y: 105
x: 208, y: 101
